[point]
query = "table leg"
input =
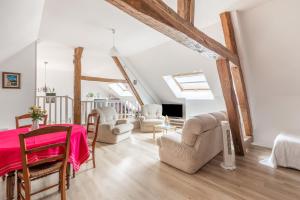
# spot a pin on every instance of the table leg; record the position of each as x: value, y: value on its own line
x: 10, y: 186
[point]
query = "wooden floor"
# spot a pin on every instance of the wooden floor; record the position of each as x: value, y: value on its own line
x: 131, y: 170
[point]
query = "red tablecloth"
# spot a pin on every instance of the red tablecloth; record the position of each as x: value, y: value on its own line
x: 10, y: 154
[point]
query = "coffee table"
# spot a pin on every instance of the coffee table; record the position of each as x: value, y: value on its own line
x: 164, y: 128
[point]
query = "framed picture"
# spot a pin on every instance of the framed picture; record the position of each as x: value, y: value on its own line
x: 11, y: 80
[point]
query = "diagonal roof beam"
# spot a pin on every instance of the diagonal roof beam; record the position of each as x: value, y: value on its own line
x: 237, y: 73
x: 156, y: 14
x: 125, y: 75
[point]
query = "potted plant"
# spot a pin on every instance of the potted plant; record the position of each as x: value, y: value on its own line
x: 90, y: 96
x: 37, y: 114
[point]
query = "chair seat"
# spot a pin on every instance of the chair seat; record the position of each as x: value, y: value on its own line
x: 42, y: 170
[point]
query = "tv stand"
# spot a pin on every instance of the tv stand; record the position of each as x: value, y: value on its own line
x: 176, y: 121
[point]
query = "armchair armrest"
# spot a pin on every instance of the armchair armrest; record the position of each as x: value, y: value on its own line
x: 122, y: 121
x: 171, y: 139
x: 105, y: 127
x: 172, y: 143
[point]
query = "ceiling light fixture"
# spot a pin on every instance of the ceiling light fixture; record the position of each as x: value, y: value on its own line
x: 45, y: 88
x: 113, y: 50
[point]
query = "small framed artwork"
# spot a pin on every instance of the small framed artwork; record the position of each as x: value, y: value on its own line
x: 11, y: 80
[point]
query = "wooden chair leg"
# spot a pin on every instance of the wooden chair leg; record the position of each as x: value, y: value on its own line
x: 94, y: 159
x: 62, y: 185
x: 68, y: 175
x: 73, y: 175
x: 18, y: 188
x: 27, y: 189
x: 3, y: 177
x: 10, y: 185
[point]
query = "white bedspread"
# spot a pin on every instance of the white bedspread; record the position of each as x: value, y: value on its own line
x: 286, y: 150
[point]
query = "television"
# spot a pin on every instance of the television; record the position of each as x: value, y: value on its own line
x: 172, y: 110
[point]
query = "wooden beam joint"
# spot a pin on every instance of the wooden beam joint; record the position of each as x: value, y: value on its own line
x: 186, y: 10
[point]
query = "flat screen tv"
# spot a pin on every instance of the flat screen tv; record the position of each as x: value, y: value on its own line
x: 172, y: 110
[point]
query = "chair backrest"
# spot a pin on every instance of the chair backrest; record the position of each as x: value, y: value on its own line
x: 62, y: 157
x: 93, y: 125
x: 108, y: 115
x: 152, y: 111
x: 195, y: 126
x: 27, y: 116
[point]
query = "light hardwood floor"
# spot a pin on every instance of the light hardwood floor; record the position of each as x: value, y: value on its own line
x: 131, y: 170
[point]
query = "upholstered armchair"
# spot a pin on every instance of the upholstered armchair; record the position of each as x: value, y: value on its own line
x: 151, y: 116
x: 111, y: 129
x: 200, y: 141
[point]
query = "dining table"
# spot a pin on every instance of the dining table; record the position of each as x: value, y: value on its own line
x: 10, y: 152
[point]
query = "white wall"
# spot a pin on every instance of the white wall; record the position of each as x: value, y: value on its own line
x: 195, y: 107
x: 269, y: 47
x: 15, y: 102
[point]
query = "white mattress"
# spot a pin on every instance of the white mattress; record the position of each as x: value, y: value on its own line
x: 286, y: 150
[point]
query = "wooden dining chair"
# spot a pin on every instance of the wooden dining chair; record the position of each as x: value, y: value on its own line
x: 27, y: 116
x: 92, y: 133
x: 43, y: 167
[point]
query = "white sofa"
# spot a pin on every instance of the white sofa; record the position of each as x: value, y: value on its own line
x: 111, y: 129
x: 151, y: 116
x: 200, y: 141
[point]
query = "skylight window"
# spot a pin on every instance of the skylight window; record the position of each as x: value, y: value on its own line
x: 194, y: 82
x: 121, y: 89
x: 190, y: 86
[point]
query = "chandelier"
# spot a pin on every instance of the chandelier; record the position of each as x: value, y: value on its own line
x: 45, y: 88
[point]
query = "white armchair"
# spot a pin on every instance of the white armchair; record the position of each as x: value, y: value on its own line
x: 111, y: 129
x: 151, y: 116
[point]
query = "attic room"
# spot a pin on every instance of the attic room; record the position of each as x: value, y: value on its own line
x: 149, y: 99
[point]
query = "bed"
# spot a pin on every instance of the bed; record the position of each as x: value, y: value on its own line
x: 286, y: 150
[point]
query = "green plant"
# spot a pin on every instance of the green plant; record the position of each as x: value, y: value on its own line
x: 90, y: 94
x: 37, y: 113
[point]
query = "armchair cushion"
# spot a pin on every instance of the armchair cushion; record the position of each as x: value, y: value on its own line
x: 122, y: 128
x: 152, y: 122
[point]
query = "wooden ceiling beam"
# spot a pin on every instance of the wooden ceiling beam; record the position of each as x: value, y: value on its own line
x: 101, y: 79
x: 77, y: 84
x: 237, y: 73
x: 125, y: 75
x: 156, y: 14
x: 224, y: 71
x: 186, y: 10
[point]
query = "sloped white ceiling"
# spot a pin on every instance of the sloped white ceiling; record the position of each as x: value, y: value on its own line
x: 173, y: 58
x: 20, y: 23
x: 87, y: 23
